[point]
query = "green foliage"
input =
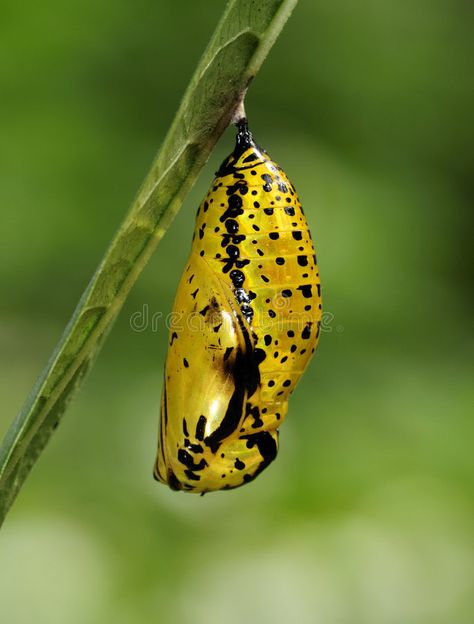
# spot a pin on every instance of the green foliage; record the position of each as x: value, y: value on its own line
x: 238, y: 47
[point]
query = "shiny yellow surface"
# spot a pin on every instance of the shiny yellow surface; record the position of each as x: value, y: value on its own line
x: 245, y: 323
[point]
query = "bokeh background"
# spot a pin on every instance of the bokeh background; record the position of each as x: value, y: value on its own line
x: 366, y: 516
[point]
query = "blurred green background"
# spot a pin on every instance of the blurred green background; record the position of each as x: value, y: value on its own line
x: 365, y: 518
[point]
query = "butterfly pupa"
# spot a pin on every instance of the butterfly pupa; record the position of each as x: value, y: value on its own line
x: 246, y: 320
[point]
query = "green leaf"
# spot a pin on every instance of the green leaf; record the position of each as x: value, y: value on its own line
x: 235, y: 53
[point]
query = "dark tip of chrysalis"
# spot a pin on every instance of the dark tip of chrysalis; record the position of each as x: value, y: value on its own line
x: 244, y: 138
x: 243, y: 141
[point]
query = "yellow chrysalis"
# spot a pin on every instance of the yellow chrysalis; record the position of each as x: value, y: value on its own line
x: 246, y: 322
